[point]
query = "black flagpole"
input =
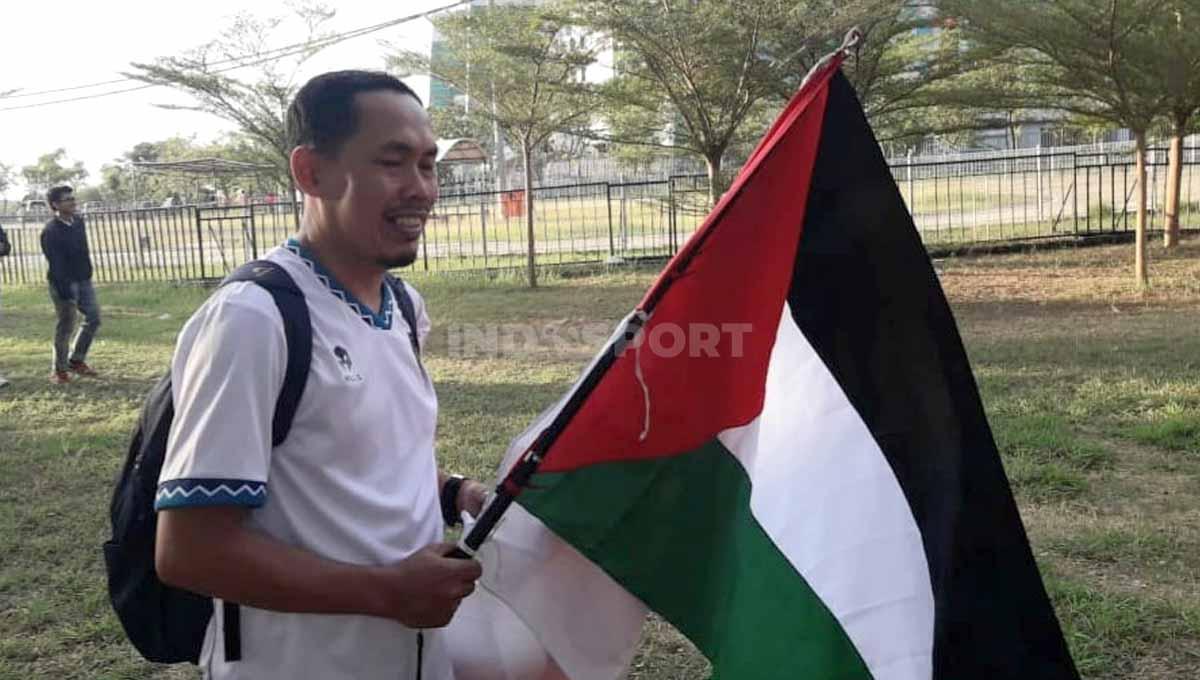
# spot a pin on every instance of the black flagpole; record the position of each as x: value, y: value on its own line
x: 518, y: 478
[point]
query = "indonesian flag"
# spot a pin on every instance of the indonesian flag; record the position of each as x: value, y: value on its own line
x: 792, y: 463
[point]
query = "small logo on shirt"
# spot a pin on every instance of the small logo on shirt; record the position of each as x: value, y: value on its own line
x: 346, y: 364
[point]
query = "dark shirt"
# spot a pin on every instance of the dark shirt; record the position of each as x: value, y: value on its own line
x: 66, y: 250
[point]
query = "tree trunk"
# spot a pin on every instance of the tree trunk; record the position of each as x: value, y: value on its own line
x: 1174, y: 181
x: 716, y: 183
x: 531, y: 260
x: 1139, y: 248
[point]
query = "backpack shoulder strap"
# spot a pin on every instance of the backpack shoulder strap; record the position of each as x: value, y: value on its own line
x: 405, y: 303
x: 297, y: 329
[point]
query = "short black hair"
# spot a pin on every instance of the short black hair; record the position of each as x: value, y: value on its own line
x: 57, y: 193
x: 323, y: 115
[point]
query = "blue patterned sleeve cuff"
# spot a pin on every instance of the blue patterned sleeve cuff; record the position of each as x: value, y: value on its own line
x: 191, y: 493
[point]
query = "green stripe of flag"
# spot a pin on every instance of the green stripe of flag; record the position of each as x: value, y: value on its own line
x: 678, y: 533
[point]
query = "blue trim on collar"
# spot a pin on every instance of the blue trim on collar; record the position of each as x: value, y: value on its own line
x: 381, y: 320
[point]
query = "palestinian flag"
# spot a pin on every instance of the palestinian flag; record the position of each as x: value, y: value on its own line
x: 793, y: 466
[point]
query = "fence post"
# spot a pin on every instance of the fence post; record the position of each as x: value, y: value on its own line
x: 139, y: 236
x: 484, y: 202
x: 1112, y: 187
x: 21, y: 245
x: 912, y: 197
x: 1152, y: 188
x: 253, y: 233
x: 671, y: 213
x: 624, y: 218
x: 1039, y: 183
x: 1087, y: 205
x: 200, y: 242
x: 608, y: 202
x: 937, y: 203
x: 1075, y: 191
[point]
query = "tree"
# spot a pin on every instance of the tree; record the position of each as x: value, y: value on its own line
x: 88, y: 193
x: 690, y: 73
x: 982, y: 89
x: 1181, y: 46
x: 1092, y: 59
x: 999, y: 94
x: 120, y: 180
x: 238, y: 146
x: 905, y: 68
x: 49, y: 171
x: 453, y: 122
x: 919, y: 75
x: 524, y: 65
x: 258, y: 106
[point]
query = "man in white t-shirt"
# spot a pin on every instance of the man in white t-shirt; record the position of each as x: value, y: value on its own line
x: 331, y: 542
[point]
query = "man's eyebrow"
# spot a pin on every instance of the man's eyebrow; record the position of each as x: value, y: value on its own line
x: 402, y: 148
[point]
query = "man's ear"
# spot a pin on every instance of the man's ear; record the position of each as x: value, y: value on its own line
x: 305, y: 164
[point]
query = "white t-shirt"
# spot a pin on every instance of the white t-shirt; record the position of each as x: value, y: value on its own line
x: 355, y: 480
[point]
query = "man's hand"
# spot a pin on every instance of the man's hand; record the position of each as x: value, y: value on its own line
x: 209, y: 550
x: 471, y: 497
x: 424, y: 589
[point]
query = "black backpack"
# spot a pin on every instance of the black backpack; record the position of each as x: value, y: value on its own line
x: 165, y: 624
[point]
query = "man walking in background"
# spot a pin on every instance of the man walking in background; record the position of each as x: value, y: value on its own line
x: 65, y: 245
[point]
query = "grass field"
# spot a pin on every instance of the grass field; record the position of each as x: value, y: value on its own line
x: 1092, y: 389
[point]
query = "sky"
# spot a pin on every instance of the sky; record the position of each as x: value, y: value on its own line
x: 75, y: 42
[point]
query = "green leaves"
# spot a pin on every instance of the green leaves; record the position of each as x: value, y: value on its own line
x: 521, y: 66
x: 1096, y: 60
x: 255, y: 105
x: 50, y: 170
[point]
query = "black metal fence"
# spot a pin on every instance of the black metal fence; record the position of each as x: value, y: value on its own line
x: 994, y: 199
x: 579, y: 223
x: 180, y: 243
x: 1036, y: 195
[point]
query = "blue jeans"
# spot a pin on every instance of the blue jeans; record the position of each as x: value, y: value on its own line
x: 85, y: 300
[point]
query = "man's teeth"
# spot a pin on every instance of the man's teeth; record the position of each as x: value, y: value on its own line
x: 406, y: 221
